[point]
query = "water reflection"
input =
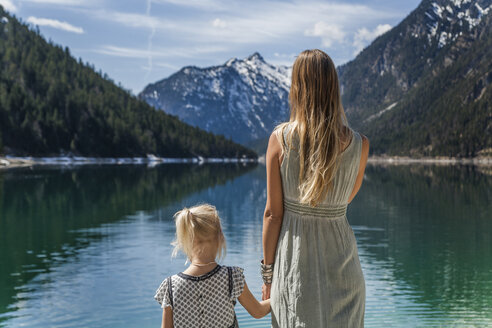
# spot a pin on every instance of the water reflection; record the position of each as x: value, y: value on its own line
x: 426, y: 232
x: 48, y: 213
x: 87, y: 247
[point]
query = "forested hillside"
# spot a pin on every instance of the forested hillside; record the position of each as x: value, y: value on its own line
x: 425, y: 87
x: 450, y: 111
x: 50, y: 103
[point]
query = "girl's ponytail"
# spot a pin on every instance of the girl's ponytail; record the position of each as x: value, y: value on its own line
x: 199, y: 222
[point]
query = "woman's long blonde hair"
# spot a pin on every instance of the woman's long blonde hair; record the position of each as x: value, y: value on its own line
x: 317, y: 117
x: 195, y: 224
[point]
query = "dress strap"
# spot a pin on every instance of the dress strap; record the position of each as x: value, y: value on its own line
x: 229, y: 273
x: 170, y: 290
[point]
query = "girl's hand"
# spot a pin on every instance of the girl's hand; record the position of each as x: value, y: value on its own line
x: 251, y: 304
x: 265, y: 291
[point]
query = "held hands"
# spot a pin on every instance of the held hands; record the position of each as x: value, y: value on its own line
x: 265, y: 291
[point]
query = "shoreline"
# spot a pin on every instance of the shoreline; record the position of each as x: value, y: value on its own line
x: 440, y: 160
x: 406, y: 160
x: 7, y: 162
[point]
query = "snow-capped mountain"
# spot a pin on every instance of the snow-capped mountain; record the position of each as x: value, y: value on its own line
x: 396, y: 61
x: 447, y: 19
x: 241, y: 99
x: 425, y: 86
x: 422, y: 88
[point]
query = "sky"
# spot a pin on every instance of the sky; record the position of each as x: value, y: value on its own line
x: 137, y: 42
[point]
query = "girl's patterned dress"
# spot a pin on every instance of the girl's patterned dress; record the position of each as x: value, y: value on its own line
x: 203, y: 301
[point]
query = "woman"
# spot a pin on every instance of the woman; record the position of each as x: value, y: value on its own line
x: 315, y: 164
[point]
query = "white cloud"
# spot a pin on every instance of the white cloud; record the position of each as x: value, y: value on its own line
x: 329, y: 33
x: 149, y: 41
x: 258, y: 23
x: 363, y: 36
x: 55, y: 24
x: 219, y: 23
x: 210, y: 5
x: 141, y: 53
x: 283, y: 59
x: 283, y: 55
x: 63, y: 2
x: 125, y: 52
x: 8, y: 5
x: 134, y: 20
x: 167, y: 65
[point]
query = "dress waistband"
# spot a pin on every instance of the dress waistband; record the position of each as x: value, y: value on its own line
x: 328, y: 211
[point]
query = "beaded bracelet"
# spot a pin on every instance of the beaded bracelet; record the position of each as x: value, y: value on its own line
x: 266, y: 272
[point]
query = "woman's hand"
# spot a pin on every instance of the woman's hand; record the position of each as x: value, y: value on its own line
x: 265, y: 291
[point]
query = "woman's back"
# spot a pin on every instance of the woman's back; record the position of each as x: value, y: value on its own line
x: 345, y: 176
x: 317, y: 279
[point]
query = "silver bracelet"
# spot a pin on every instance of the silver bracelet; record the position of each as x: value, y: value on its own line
x: 266, y: 272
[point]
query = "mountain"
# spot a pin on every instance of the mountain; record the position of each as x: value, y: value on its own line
x: 421, y: 89
x: 241, y: 99
x: 50, y: 103
x: 424, y: 87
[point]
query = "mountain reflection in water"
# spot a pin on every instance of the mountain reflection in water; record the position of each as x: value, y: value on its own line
x: 88, y: 246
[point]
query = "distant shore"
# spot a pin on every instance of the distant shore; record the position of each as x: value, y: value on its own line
x: 13, y: 162
x: 402, y: 160
x: 151, y: 160
x: 405, y: 160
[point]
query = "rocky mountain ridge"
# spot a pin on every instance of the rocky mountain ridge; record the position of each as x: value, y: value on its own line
x: 443, y: 46
x: 395, y: 62
x: 243, y: 99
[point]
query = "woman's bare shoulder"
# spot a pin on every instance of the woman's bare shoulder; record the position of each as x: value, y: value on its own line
x: 365, y: 144
x: 274, y: 147
x: 364, y: 139
x: 346, y: 137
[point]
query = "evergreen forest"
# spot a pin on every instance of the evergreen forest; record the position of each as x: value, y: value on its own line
x: 53, y: 104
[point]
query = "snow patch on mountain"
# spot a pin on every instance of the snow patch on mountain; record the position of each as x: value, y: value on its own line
x: 381, y: 112
x: 446, y: 19
x: 242, y: 99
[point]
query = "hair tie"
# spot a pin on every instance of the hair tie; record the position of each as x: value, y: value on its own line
x: 189, y: 216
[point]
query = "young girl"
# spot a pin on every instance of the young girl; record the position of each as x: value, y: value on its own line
x: 205, y: 293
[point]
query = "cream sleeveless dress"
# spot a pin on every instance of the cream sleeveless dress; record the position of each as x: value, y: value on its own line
x: 317, y: 277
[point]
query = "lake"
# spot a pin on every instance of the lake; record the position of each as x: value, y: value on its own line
x: 88, y: 246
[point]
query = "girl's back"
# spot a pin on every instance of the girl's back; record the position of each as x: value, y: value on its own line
x: 203, y: 301
x: 204, y: 294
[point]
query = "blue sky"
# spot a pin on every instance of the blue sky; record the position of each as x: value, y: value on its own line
x: 141, y: 41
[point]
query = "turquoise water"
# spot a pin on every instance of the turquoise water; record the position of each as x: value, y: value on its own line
x: 88, y: 246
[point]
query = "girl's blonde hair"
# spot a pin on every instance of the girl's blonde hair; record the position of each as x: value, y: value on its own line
x: 317, y: 117
x: 197, y: 223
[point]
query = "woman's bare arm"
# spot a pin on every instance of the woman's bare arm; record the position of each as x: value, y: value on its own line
x: 251, y: 304
x: 274, y: 209
x: 362, y: 167
x: 167, y: 317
